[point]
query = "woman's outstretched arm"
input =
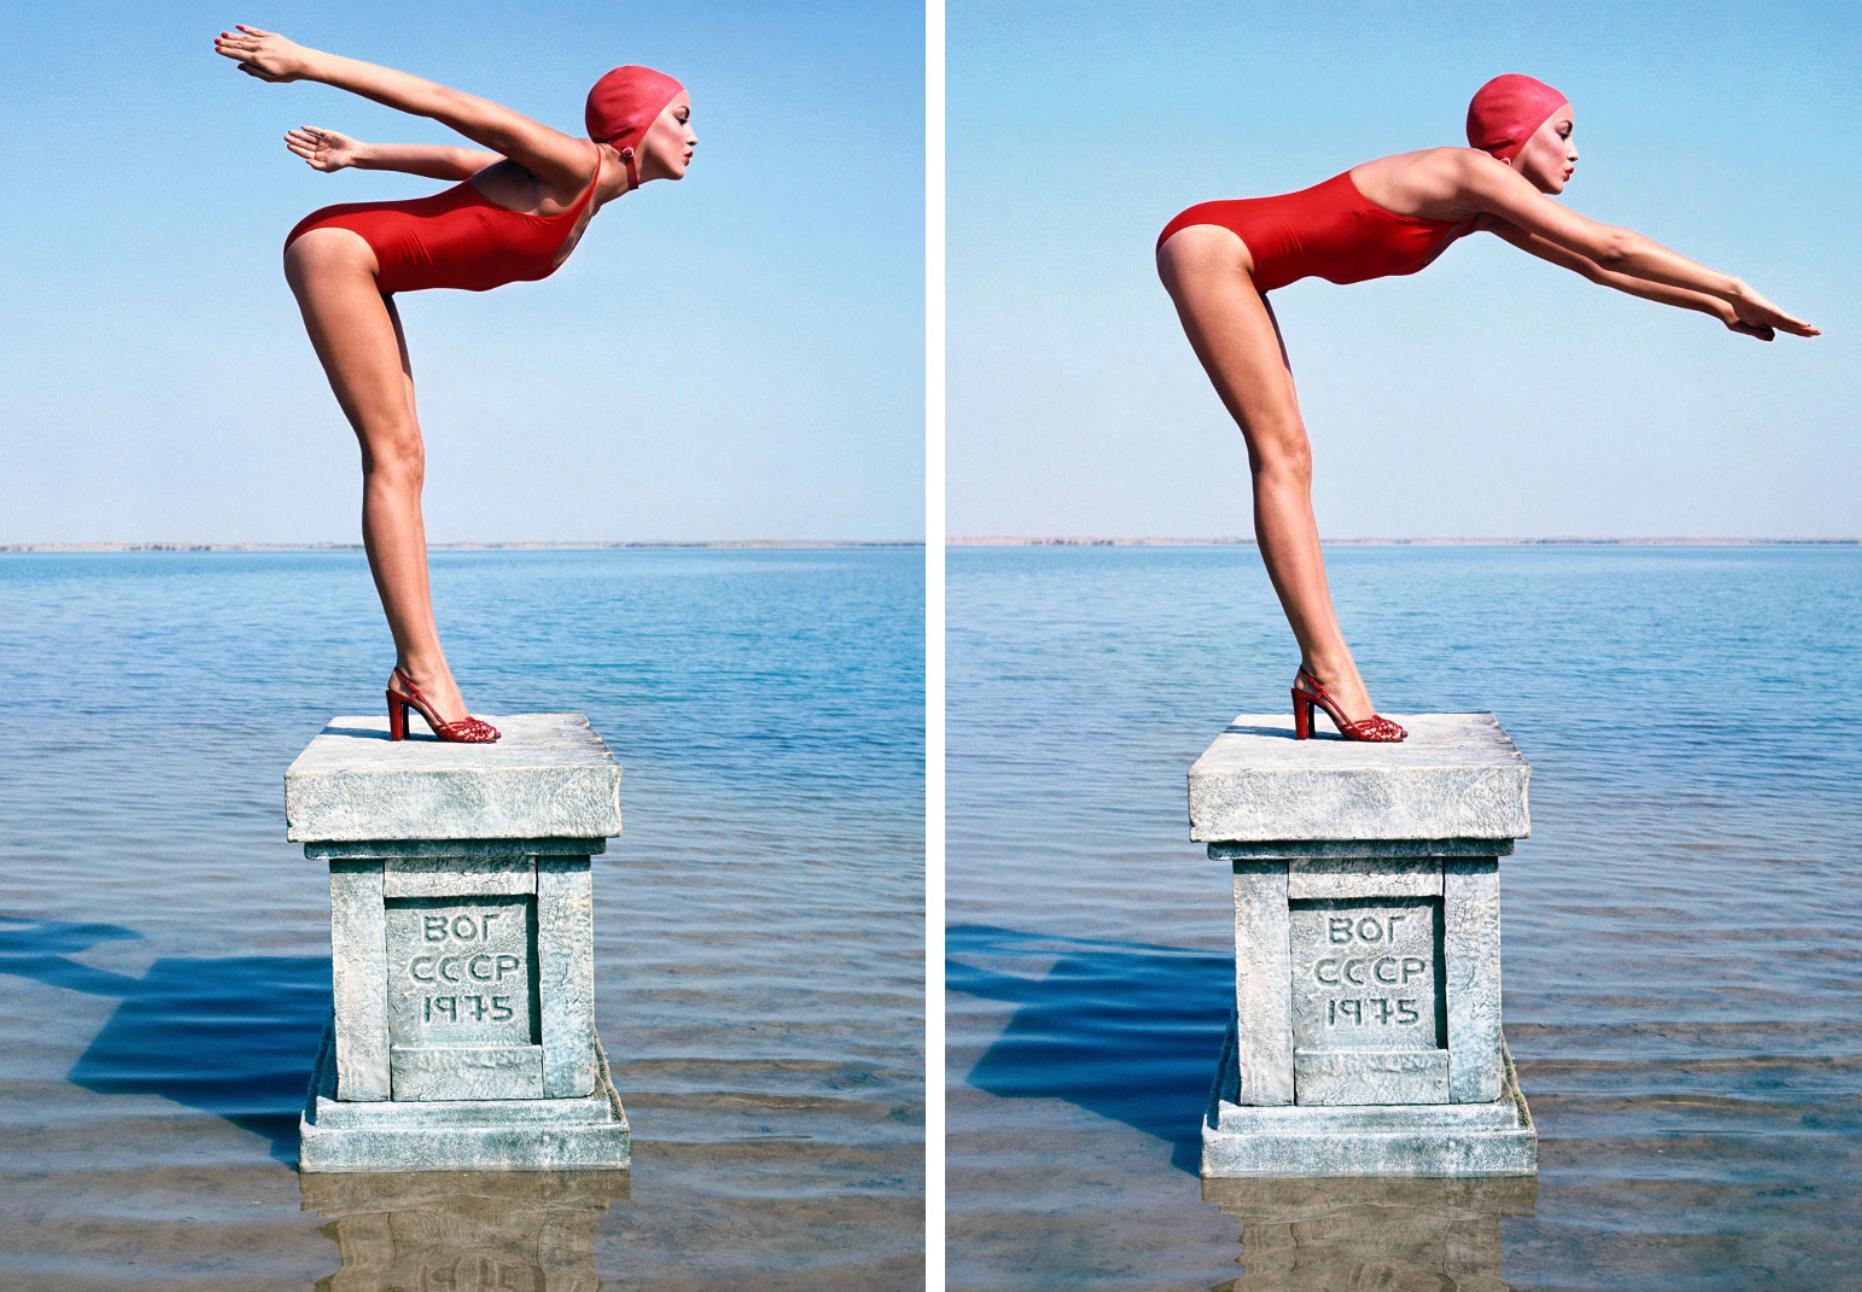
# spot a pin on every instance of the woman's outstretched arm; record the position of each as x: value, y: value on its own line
x: 554, y: 157
x: 331, y: 150
x: 1498, y: 190
x: 1663, y: 293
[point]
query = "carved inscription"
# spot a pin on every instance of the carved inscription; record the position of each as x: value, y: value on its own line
x: 1364, y: 974
x: 459, y: 970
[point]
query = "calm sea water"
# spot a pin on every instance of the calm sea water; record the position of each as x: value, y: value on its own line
x: 164, y: 953
x: 1681, y: 954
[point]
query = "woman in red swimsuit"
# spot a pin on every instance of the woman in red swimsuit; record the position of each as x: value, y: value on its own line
x: 1393, y: 215
x: 515, y: 215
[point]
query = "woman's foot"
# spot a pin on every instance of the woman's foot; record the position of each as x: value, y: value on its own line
x: 1310, y: 695
x: 449, y: 723
x: 437, y: 686
x: 405, y: 696
x: 1342, y: 683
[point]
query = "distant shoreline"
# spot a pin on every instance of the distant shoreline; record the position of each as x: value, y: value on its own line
x: 703, y: 545
x: 1414, y: 542
x: 848, y: 544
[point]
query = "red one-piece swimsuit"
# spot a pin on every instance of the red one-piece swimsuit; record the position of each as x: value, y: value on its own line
x: 456, y: 238
x: 1331, y: 230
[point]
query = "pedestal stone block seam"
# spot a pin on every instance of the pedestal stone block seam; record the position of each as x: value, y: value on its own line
x: 1312, y: 1119
x: 454, y: 849
x: 1353, y: 849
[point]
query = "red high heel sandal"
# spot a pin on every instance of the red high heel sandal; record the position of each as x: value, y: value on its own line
x: 467, y: 730
x: 1375, y: 727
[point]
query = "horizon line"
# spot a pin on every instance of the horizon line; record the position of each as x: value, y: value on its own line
x: 1007, y: 540
x: 1441, y: 541
x: 582, y: 545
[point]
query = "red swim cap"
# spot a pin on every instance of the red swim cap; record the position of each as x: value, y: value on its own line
x: 623, y: 104
x: 1507, y: 111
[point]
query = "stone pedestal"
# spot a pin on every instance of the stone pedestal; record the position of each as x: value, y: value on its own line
x: 1366, y: 1035
x: 462, y: 948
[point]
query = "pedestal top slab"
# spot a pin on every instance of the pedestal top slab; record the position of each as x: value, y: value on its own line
x: 1458, y: 776
x: 550, y: 776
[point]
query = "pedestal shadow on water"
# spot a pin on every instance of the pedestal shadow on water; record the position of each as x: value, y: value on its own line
x: 1120, y: 1029
x: 224, y: 1036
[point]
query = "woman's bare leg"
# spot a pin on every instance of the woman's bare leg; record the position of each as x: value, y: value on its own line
x: 425, y: 596
x: 1233, y: 331
x: 357, y: 335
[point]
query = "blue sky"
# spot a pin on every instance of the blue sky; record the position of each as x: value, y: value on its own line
x: 739, y: 356
x: 1491, y: 395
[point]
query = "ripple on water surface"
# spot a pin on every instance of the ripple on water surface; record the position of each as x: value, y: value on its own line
x: 1681, y: 950
x: 164, y: 953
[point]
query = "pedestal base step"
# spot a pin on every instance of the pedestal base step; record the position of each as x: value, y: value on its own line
x: 1369, y: 1139
x: 586, y: 1134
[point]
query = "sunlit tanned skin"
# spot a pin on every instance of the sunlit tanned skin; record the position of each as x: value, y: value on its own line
x: 356, y: 330
x: 1208, y: 271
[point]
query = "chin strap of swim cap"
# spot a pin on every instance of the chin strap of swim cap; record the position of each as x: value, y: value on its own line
x: 623, y: 106
x: 1507, y: 111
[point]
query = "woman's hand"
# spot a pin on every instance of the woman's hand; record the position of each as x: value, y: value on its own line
x: 1730, y: 316
x: 1755, y: 315
x: 325, y: 150
x: 264, y: 54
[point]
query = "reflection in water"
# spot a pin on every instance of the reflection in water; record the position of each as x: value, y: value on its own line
x: 475, y: 1231
x: 1342, y: 1235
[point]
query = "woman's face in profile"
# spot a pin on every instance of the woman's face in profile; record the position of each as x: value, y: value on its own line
x: 1550, y: 155
x: 669, y: 140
